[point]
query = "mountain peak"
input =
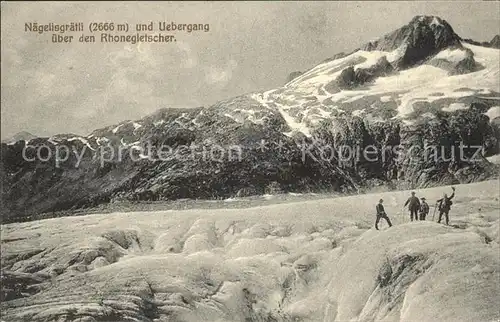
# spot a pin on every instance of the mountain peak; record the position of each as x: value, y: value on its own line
x: 421, y: 38
x: 429, y: 20
x: 495, y: 42
x: 23, y: 135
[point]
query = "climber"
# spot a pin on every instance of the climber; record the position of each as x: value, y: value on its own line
x: 444, y: 206
x: 413, y: 206
x: 381, y: 214
x: 424, y: 209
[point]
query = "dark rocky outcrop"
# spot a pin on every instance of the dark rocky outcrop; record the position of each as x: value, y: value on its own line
x: 18, y: 284
x: 292, y: 76
x: 350, y: 78
x: 347, y: 78
x: 467, y: 65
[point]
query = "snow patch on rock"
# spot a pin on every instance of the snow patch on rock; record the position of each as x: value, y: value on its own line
x: 493, y: 112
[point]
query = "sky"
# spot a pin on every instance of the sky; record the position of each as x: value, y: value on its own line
x: 49, y: 88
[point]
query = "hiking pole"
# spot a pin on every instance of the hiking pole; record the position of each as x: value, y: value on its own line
x: 435, y: 207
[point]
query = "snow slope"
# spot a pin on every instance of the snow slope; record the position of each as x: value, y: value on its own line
x: 452, y: 55
x: 314, y: 260
x: 418, y: 84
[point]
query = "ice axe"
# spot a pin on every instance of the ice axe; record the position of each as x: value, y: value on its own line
x: 435, y: 208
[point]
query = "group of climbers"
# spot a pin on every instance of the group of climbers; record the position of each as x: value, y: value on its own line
x: 418, y: 208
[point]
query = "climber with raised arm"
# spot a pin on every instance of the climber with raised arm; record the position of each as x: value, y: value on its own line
x: 444, y: 206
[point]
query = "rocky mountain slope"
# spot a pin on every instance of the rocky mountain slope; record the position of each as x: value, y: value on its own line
x: 419, y: 86
x: 317, y: 260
